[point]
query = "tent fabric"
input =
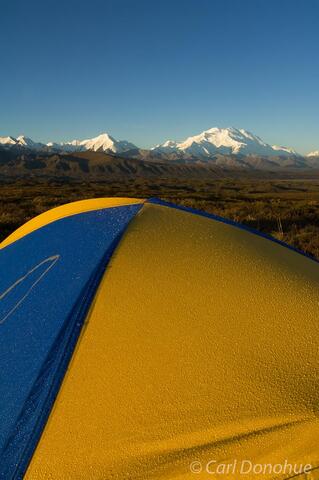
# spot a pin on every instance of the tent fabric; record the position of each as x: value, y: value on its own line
x: 186, y: 339
x: 65, y: 211
x: 48, y: 281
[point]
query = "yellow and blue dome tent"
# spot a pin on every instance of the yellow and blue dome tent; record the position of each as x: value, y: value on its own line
x: 142, y: 340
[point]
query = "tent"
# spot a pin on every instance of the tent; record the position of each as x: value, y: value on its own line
x: 141, y: 340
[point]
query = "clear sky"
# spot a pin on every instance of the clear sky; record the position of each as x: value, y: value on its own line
x: 147, y: 70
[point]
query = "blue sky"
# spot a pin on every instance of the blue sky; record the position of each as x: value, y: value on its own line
x: 150, y: 70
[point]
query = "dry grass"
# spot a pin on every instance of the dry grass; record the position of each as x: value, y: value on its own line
x: 286, y: 209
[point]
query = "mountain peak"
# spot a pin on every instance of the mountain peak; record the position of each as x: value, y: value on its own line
x: 104, y: 142
x: 23, y: 140
x: 8, y: 140
x: 227, y: 141
x: 102, y: 137
x: 105, y: 136
x: 313, y: 154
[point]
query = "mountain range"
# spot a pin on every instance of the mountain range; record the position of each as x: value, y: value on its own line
x: 225, y: 141
x: 103, y: 142
x: 217, y: 147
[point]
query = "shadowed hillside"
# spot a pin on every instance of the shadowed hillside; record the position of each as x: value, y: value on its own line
x: 97, y: 166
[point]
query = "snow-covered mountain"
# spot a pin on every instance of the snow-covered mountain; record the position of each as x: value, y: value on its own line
x: 20, y: 141
x: 313, y: 154
x: 7, y: 141
x: 28, y: 143
x: 223, y: 141
x: 103, y: 142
